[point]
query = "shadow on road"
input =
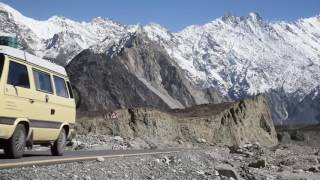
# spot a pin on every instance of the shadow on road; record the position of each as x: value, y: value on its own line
x: 28, y: 154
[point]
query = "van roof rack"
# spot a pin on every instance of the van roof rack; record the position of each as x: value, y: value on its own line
x: 32, y: 59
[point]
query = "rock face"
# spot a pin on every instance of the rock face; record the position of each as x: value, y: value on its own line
x: 247, y: 121
x: 136, y: 73
x: 107, y: 84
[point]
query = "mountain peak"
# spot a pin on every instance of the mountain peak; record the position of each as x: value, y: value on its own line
x: 228, y: 17
x: 157, y: 32
x: 255, y: 16
x: 100, y: 19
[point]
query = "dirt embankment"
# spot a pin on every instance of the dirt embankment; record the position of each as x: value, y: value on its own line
x: 247, y: 121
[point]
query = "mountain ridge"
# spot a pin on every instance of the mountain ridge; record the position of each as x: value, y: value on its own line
x: 237, y: 56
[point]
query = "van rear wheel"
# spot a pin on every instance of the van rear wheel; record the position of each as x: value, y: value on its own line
x: 15, y: 145
x: 58, y: 147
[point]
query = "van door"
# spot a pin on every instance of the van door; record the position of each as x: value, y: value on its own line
x: 2, y: 57
x: 65, y: 106
x: 17, y: 91
x: 45, y: 126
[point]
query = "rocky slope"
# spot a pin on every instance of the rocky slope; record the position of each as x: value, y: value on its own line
x: 236, y: 56
x: 136, y: 73
x: 247, y: 121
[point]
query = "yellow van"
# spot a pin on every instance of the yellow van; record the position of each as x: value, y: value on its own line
x: 36, y: 103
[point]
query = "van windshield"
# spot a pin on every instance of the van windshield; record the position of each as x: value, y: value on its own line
x: 1, y: 63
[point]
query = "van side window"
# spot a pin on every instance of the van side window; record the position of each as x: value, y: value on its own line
x: 70, y: 89
x: 61, y: 88
x: 1, y: 63
x: 42, y: 81
x: 18, y: 75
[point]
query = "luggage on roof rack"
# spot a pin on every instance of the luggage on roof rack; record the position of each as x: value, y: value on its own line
x: 9, y: 41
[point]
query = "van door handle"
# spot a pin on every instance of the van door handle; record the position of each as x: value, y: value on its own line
x: 31, y: 101
x: 47, y: 98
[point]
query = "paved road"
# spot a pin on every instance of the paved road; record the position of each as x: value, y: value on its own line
x: 44, y: 157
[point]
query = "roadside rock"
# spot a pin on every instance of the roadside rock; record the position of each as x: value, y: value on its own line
x: 261, y: 163
x: 138, y: 143
x: 313, y: 169
x: 77, y: 145
x: 297, y: 136
x: 284, y: 137
x: 247, y: 149
x: 200, y: 140
x: 118, y: 138
x: 227, y: 171
x: 100, y: 159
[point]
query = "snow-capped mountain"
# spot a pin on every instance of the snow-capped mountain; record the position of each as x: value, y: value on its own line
x: 247, y: 55
x: 58, y: 38
x: 237, y: 56
x: 243, y: 56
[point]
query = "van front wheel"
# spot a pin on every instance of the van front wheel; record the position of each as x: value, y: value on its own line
x: 15, y: 145
x: 58, y: 147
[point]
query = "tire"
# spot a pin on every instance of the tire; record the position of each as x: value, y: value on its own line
x: 15, y: 146
x: 58, y: 146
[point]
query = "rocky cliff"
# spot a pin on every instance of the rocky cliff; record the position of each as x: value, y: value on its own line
x: 246, y: 121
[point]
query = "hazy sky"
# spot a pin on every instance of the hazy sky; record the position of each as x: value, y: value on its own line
x: 173, y: 14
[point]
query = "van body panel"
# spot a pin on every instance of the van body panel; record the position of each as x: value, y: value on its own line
x: 6, y: 131
x: 46, y: 113
x: 45, y: 134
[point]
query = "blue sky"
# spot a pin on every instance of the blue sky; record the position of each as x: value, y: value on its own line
x: 173, y: 14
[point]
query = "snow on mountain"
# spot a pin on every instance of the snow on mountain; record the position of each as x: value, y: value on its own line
x: 238, y: 56
x: 246, y: 55
x: 58, y: 37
